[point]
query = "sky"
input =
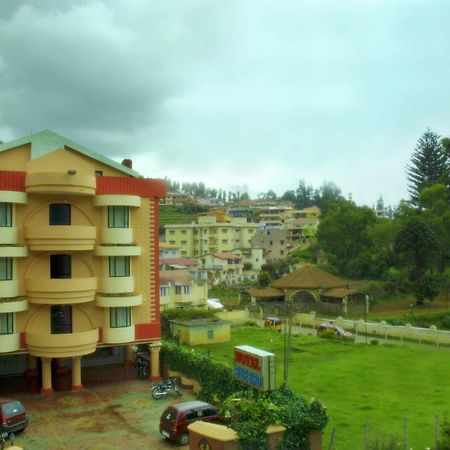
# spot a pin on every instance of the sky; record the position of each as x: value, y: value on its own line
x: 243, y: 95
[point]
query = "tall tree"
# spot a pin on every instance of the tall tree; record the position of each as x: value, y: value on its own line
x: 429, y: 165
x: 304, y: 195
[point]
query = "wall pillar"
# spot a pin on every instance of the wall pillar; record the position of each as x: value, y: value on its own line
x: 47, y: 387
x: 76, y: 374
x: 154, y: 348
x: 129, y: 355
x: 32, y: 371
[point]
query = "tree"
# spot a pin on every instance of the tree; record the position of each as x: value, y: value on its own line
x: 417, y: 244
x: 304, y: 195
x: 429, y: 165
x: 289, y: 196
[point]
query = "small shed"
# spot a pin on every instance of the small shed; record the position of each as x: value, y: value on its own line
x: 201, y: 331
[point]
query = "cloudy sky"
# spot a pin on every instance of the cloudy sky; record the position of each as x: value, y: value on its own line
x: 239, y: 94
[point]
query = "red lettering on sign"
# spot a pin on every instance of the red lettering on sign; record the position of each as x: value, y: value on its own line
x: 248, y: 360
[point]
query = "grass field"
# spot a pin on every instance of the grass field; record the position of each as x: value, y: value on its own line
x: 359, y: 383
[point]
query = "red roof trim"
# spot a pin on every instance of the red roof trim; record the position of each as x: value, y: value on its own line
x: 156, y: 260
x: 144, y: 187
x: 12, y: 181
x: 147, y: 331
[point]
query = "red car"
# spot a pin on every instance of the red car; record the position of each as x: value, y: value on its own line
x: 13, y: 416
x: 340, y: 332
x: 176, y: 418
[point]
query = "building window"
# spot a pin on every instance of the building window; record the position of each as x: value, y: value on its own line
x: 6, y: 323
x: 119, y: 266
x: 183, y: 253
x: 210, y: 334
x: 60, y: 266
x: 120, y: 317
x: 183, y: 231
x: 5, y: 214
x: 171, y: 232
x: 224, y: 230
x: 118, y: 216
x: 224, y: 241
x: 187, y: 289
x: 171, y: 242
x: 164, y: 291
x: 98, y: 173
x: 61, y: 319
x: 5, y: 269
x: 177, y: 290
x: 59, y: 214
x: 183, y: 242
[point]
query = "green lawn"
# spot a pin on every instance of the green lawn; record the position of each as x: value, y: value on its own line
x: 360, y: 383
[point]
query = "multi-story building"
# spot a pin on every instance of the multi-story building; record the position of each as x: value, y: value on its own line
x: 221, y: 267
x: 79, y: 262
x: 209, y: 235
x: 273, y: 241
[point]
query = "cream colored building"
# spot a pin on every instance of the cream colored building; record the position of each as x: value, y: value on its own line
x: 209, y: 235
x: 78, y: 255
x: 221, y: 267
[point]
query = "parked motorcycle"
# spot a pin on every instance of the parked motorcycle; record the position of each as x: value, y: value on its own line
x: 142, y: 367
x: 166, y: 387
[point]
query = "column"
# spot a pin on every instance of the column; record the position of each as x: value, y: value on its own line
x: 129, y: 355
x: 154, y: 348
x: 76, y: 374
x: 47, y: 388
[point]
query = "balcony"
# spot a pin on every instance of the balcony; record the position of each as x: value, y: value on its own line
x: 62, y: 183
x: 61, y: 237
x: 56, y: 291
x: 9, y: 288
x: 8, y: 235
x: 116, y: 236
x: 120, y: 335
x: 47, y: 345
x: 13, y: 251
x: 116, y: 285
x: 114, y: 300
x: 12, y: 305
x: 118, y: 250
x: 9, y: 342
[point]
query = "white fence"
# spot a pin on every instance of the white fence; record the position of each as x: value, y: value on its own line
x: 381, y: 330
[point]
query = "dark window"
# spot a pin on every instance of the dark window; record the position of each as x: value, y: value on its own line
x: 61, y: 319
x: 5, y: 214
x: 5, y: 269
x: 6, y: 323
x: 118, y: 216
x: 177, y: 290
x: 60, y: 266
x: 208, y: 412
x: 119, y: 266
x: 192, y: 415
x: 210, y: 334
x: 120, y: 317
x: 98, y: 173
x: 59, y: 214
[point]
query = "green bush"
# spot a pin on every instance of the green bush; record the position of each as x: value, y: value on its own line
x: 385, y: 441
x: 444, y: 438
x: 327, y: 334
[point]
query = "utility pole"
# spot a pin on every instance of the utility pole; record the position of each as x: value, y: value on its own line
x: 287, y: 340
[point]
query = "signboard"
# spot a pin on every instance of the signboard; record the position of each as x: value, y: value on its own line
x: 254, y: 367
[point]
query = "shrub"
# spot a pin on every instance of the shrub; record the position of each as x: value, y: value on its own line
x: 374, y: 342
x: 444, y: 438
x: 327, y: 334
x: 385, y: 441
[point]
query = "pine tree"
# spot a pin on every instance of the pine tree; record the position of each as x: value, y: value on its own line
x: 429, y: 165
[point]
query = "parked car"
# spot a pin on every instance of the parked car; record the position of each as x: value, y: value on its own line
x: 176, y: 418
x: 340, y: 332
x: 274, y: 323
x: 13, y: 416
x: 214, y: 303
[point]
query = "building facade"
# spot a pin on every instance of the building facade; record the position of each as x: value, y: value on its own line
x: 79, y: 266
x: 209, y: 235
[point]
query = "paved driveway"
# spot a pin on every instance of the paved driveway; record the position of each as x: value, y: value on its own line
x: 115, y: 415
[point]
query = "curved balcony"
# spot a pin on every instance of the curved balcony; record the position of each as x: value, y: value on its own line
x: 61, y: 237
x: 9, y: 288
x: 120, y: 335
x: 8, y: 235
x: 60, y: 183
x: 117, y: 200
x: 12, y: 305
x: 114, y: 300
x: 116, y: 236
x: 9, y: 342
x: 116, y: 285
x: 13, y: 251
x: 118, y: 250
x: 56, y: 291
x: 13, y: 197
x: 62, y: 345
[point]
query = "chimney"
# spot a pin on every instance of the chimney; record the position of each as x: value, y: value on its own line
x: 127, y: 163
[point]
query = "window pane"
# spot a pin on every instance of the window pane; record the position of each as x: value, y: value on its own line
x: 119, y: 266
x: 5, y: 214
x: 6, y: 323
x: 5, y: 268
x: 118, y: 216
x: 61, y: 319
x: 59, y: 214
x: 60, y: 266
x: 120, y: 317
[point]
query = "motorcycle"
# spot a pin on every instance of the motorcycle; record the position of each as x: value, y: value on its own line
x: 6, y: 440
x: 166, y: 387
x: 142, y: 368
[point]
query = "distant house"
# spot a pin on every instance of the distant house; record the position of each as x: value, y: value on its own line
x: 221, y: 267
x: 201, y: 331
x: 180, y: 289
x: 273, y: 241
